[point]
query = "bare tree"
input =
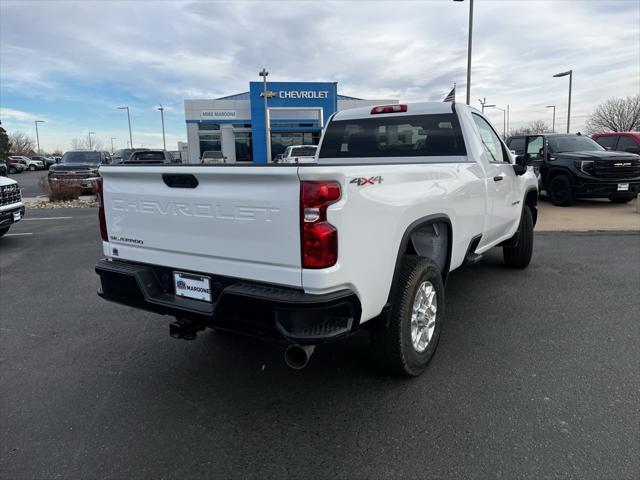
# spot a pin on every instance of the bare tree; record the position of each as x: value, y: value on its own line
x: 82, y: 143
x: 21, y: 144
x: 615, y: 115
x: 537, y: 126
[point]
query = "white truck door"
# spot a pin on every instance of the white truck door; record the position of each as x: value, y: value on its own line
x: 504, y: 205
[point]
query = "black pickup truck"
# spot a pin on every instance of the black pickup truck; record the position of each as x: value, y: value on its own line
x: 574, y: 166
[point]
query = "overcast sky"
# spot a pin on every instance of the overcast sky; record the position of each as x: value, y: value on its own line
x: 72, y: 63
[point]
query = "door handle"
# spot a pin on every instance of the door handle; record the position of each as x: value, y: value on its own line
x: 497, y: 179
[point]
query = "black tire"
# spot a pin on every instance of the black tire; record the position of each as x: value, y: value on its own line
x: 392, y: 344
x: 32, y: 168
x: 560, y: 192
x: 3, y: 231
x: 520, y: 255
x: 12, y: 170
x: 621, y: 198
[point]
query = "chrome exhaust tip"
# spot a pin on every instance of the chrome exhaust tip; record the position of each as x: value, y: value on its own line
x: 297, y: 356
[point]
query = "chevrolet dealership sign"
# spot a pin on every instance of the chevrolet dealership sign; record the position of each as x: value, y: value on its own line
x: 293, y: 94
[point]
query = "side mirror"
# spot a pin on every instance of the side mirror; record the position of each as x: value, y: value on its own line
x: 520, y: 167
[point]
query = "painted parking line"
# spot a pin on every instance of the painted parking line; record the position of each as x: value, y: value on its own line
x: 16, y: 234
x: 45, y: 218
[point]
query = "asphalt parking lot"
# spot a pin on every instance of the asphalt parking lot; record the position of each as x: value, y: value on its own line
x: 536, y: 376
x: 28, y: 182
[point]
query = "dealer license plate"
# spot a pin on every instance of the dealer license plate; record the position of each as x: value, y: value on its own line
x: 623, y: 187
x: 192, y: 286
x: 16, y: 216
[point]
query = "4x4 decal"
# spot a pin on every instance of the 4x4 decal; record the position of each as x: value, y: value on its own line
x: 360, y: 181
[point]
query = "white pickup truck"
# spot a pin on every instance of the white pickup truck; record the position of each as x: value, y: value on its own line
x: 400, y: 196
x: 299, y: 154
x: 11, y: 206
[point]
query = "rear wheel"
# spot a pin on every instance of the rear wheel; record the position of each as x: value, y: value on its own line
x: 406, y: 344
x: 622, y: 198
x: 559, y: 191
x: 3, y: 231
x: 519, y: 256
x: 32, y: 168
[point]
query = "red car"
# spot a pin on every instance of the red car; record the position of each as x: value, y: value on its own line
x: 620, y: 141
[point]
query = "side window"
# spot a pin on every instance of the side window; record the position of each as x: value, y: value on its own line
x: 490, y: 140
x: 626, y: 144
x: 608, y: 142
x: 517, y: 145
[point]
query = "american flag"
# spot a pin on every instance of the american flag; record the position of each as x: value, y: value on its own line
x: 451, y: 97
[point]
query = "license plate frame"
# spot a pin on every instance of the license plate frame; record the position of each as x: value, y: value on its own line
x: 192, y: 286
x: 623, y: 187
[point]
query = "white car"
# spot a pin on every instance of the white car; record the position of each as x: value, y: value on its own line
x: 299, y: 154
x: 29, y: 164
x: 11, y: 206
x: 401, y: 196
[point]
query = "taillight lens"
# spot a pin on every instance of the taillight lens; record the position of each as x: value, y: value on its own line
x: 101, y: 217
x: 319, y: 239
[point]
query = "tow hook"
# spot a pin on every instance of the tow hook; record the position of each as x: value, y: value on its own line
x: 185, y: 329
x: 297, y: 356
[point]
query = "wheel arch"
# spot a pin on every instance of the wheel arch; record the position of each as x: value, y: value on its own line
x: 531, y: 201
x: 554, y: 172
x: 428, y: 237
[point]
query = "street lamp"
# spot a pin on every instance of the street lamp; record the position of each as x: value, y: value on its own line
x: 564, y: 74
x: 469, y: 50
x: 484, y: 105
x: 90, y: 133
x: 553, y: 128
x: 263, y: 73
x: 112, y: 139
x: 504, y: 120
x: 128, y: 118
x: 161, y: 108
x: 37, y: 135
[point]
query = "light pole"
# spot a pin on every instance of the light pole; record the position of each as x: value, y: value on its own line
x: 484, y: 105
x: 508, y: 128
x: 263, y: 73
x: 553, y: 128
x: 128, y: 118
x: 504, y: 121
x: 564, y: 74
x: 469, y: 44
x: 90, y: 133
x: 161, y: 108
x: 112, y: 139
x: 37, y: 134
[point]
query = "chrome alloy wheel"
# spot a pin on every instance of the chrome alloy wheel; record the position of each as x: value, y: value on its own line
x: 423, y: 316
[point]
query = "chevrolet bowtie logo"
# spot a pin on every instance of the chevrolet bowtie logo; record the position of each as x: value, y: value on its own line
x: 270, y: 94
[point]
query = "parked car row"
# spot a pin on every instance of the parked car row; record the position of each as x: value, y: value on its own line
x: 576, y: 166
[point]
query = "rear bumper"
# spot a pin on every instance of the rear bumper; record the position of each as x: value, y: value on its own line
x: 7, y: 217
x: 239, y: 306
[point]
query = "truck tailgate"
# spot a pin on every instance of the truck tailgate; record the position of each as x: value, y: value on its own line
x: 238, y: 221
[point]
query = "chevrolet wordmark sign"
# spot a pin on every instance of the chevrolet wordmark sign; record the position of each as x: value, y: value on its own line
x: 303, y: 94
x: 217, y: 114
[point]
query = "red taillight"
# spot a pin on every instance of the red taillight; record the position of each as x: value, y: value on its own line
x: 389, y: 109
x: 101, y: 217
x: 318, y: 238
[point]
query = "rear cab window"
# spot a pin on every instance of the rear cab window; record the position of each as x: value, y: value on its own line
x: 608, y: 142
x: 303, y: 152
x: 427, y: 135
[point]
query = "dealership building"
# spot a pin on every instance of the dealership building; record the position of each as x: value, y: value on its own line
x: 239, y: 125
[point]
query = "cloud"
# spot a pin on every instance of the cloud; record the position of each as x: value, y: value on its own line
x: 75, y: 61
x: 18, y: 116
